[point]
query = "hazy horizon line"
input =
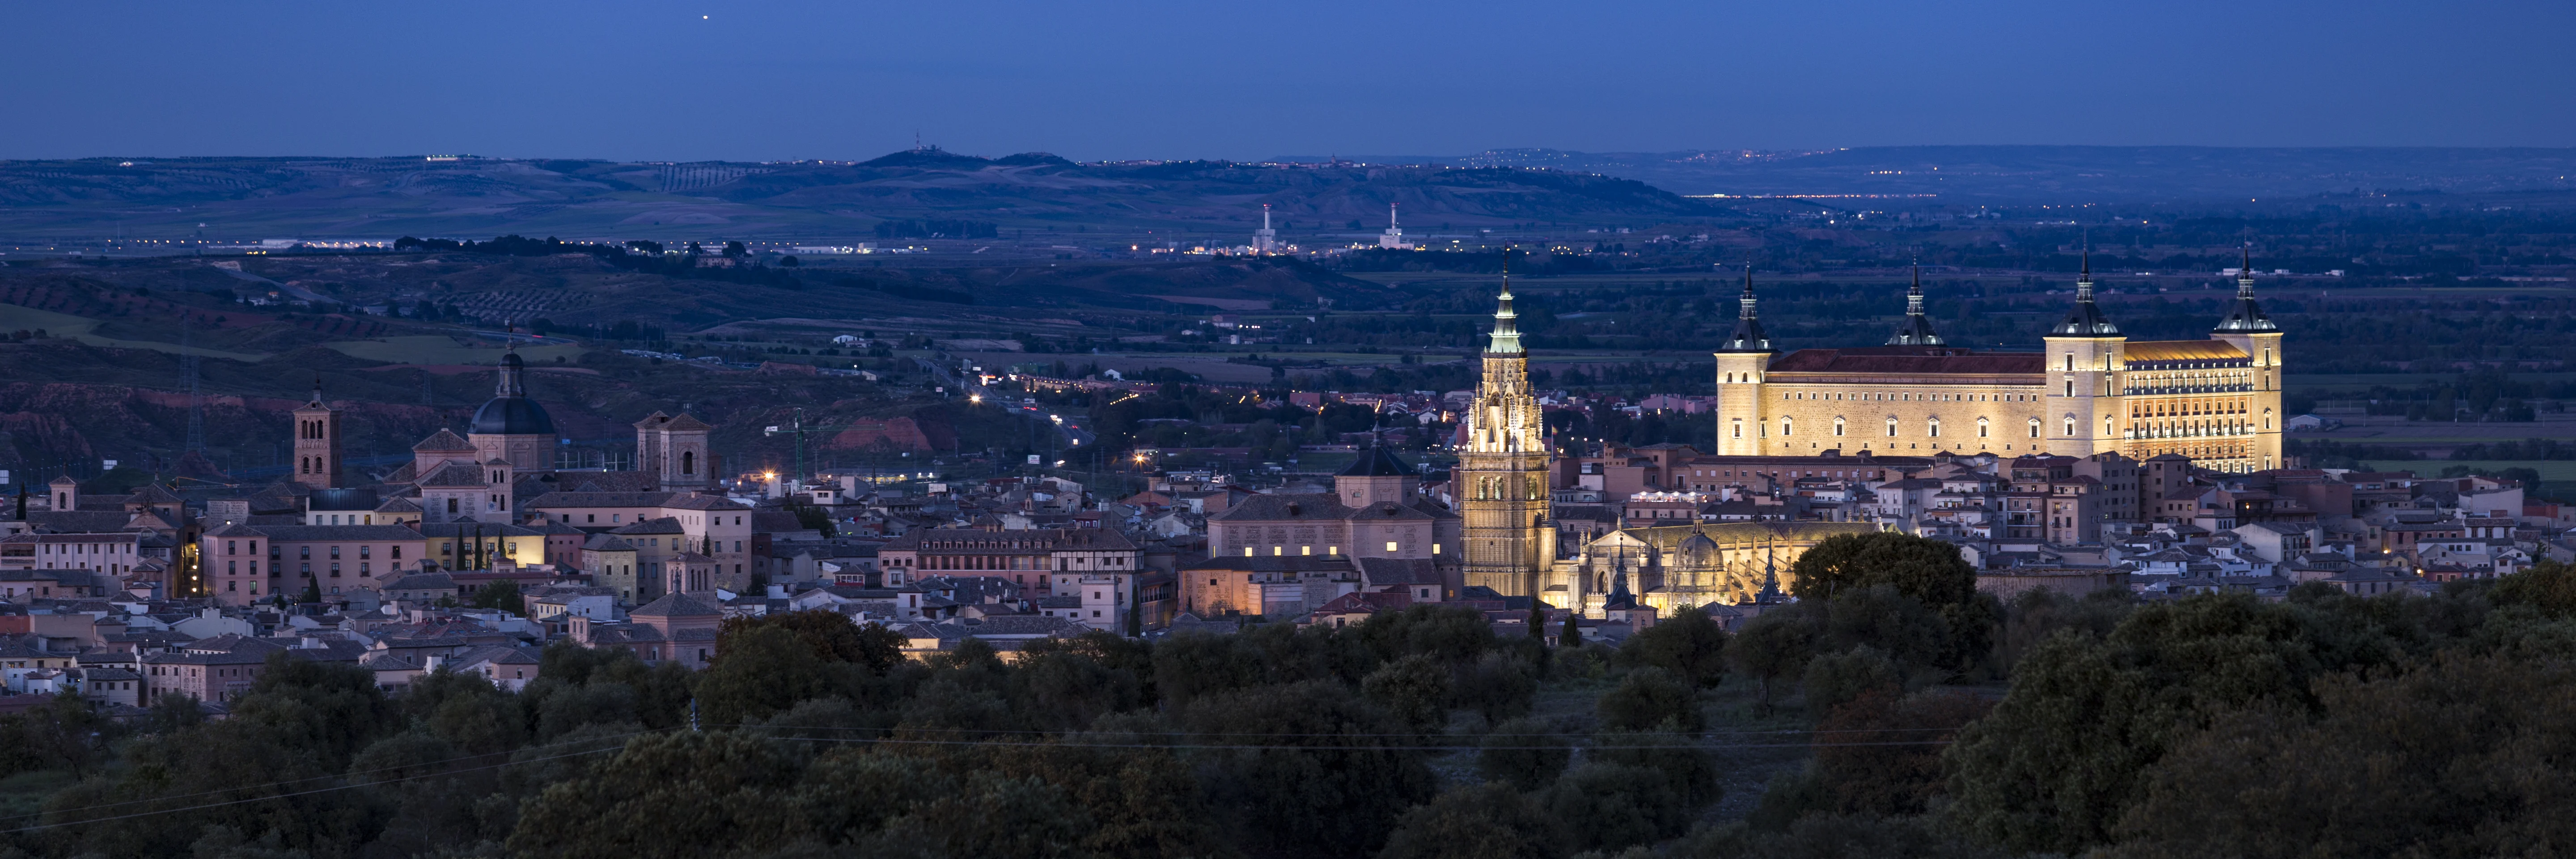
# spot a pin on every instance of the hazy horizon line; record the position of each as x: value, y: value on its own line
x: 1325, y: 158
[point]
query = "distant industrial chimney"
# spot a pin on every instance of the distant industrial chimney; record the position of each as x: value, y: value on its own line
x: 1393, y: 238
x: 1265, y: 240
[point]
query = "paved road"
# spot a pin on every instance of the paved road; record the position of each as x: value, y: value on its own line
x: 1074, y: 434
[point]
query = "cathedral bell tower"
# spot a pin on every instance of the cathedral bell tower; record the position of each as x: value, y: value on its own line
x: 1502, y: 469
x: 1742, y: 361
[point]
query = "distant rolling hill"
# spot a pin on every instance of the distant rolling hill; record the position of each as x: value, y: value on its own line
x: 2061, y: 174
x: 1039, y: 196
x: 253, y: 198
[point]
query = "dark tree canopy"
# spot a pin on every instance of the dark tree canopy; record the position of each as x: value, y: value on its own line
x: 1689, y: 644
x: 502, y: 595
x: 2424, y: 724
x: 1928, y: 570
x: 830, y: 635
x: 1488, y: 821
x: 2062, y: 756
x: 2547, y: 586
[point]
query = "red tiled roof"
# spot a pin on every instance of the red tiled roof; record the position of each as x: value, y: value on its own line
x: 1910, y: 361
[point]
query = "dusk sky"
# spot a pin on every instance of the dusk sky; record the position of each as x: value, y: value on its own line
x: 787, y: 80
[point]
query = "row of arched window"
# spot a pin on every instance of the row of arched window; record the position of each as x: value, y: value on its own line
x: 1931, y: 427
x: 1500, y: 489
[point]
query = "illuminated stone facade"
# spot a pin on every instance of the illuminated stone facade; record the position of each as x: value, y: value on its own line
x: 1503, y: 469
x: 2090, y: 391
x: 1670, y: 567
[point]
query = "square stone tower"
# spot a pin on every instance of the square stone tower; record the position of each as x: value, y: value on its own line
x: 317, y: 442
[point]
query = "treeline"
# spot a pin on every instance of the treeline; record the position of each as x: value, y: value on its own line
x: 647, y: 258
x: 1607, y: 424
x: 2480, y: 395
x: 2526, y: 449
x: 932, y: 228
x: 510, y: 245
x: 2326, y: 453
x: 625, y: 329
x: 2328, y: 724
x: 1434, y: 259
x: 906, y: 290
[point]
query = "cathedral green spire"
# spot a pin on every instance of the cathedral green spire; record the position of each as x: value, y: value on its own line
x: 1507, y: 339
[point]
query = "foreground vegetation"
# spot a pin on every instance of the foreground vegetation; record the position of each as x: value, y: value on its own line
x: 2324, y: 725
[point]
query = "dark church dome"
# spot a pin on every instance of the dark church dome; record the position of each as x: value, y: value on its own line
x: 512, y: 416
x: 510, y: 412
x: 1697, y: 550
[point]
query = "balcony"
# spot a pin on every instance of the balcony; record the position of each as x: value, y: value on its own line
x: 2149, y: 390
x: 2217, y: 432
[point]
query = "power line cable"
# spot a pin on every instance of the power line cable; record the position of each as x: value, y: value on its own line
x: 1335, y: 734
x: 296, y: 793
x: 347, y: 775
x: 1365, y: 748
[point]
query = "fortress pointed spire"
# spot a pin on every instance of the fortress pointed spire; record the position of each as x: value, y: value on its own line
x: 2086, y: 320
x: 1748, y: 336
x: 1916, y: 330
x: 2244, y: 315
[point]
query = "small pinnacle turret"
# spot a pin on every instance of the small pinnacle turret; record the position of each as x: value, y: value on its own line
x: 2086, y: 320
x: 1748, y: 336
x: 1916, y: 330
x: 1770, y: 594
x: 2245, y: 316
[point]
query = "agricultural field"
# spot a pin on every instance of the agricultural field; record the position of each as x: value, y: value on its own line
x: 2551, y: 470
x: 436, y: 349
x: 16, y: 318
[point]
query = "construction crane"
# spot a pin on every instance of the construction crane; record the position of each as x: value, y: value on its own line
x: 797, y: 428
